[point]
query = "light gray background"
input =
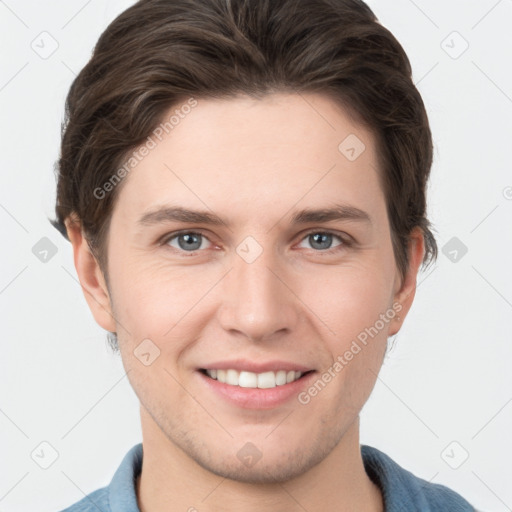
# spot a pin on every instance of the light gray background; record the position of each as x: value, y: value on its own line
x: 448, y: 377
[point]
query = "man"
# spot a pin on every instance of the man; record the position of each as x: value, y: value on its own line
x: 243, y: 184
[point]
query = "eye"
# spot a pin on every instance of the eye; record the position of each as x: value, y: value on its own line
x: 193, y: 241
x: 322, y: 241
x: 188, y: 241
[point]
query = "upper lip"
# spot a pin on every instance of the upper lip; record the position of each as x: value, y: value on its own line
x: 256, y: 367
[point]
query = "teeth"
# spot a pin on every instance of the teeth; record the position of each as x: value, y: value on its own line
x: 232, y: 377
x: 263, y: 380
x: 247, y: 380
x: 281, y: 377
x: 266, y: 380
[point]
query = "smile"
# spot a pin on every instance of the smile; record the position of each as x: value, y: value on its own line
x: 247, y: 379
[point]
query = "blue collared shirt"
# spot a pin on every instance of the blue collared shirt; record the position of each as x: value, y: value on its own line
x: 401, y: 490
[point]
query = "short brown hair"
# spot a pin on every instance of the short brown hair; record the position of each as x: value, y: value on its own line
x: 160, y: 52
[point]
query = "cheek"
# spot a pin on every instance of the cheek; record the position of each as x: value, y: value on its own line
x: 355, y: 350
x: 349, y: 300
x: 356, y: 308
x: 153, y: 300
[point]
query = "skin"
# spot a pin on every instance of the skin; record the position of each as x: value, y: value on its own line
x: 253, y: 163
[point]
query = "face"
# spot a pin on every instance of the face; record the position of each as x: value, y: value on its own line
x: 258, y: 285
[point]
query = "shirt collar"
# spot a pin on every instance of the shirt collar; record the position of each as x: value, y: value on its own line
x: 121, y: 494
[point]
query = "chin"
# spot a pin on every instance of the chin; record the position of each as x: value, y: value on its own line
x: 274, y: 463
x: 262, y: 472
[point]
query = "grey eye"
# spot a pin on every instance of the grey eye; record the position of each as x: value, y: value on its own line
x: 322, y: 241
x: 187, y: 241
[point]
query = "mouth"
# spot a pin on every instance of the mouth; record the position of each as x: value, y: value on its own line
x: 250, y: 384
x: 246, y: 379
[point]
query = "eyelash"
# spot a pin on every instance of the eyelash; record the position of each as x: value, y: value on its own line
x: 346, y: 241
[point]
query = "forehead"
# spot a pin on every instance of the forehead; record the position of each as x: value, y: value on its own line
x: 251, y: 156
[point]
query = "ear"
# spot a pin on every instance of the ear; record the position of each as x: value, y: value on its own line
x: 405, y: 289
x: 90, y: 276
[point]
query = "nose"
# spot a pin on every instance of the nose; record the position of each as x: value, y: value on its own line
x: 257, y: 301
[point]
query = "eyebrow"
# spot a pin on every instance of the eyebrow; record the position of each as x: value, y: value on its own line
x: 306, y: 216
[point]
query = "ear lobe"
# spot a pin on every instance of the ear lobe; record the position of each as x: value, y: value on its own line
x: 405, y: 294
x: 90, y: 275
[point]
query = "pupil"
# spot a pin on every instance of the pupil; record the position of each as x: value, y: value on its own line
x: 190, y: 239
x: 317, y: 237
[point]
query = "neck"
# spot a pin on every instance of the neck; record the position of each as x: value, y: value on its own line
x: 171, y: 481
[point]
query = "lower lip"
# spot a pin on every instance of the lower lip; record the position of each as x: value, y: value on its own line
x: 256, y: 398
